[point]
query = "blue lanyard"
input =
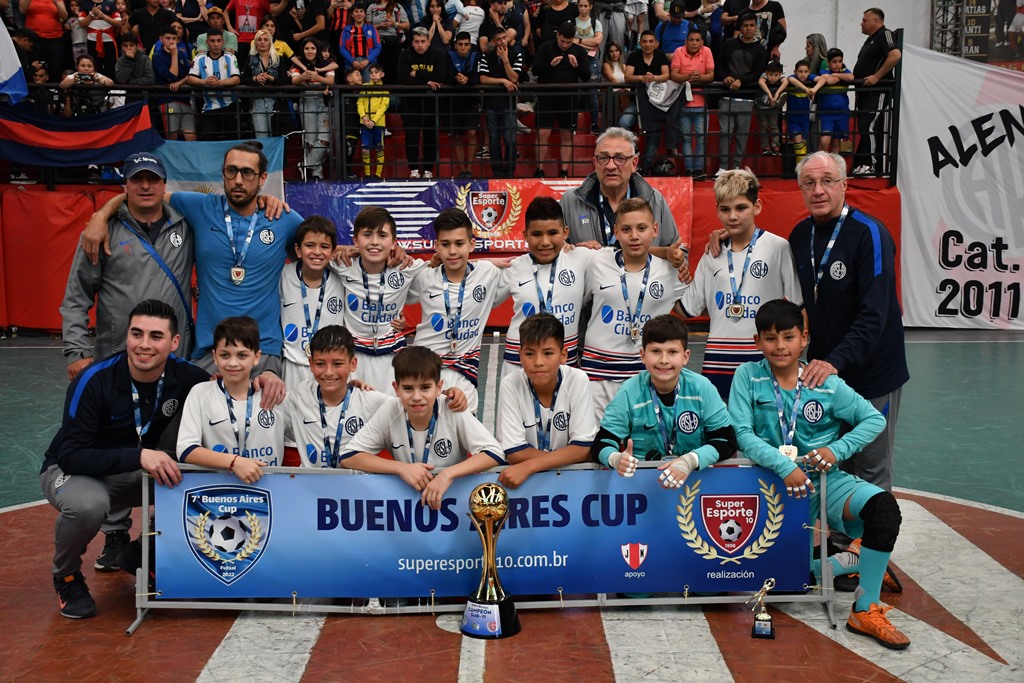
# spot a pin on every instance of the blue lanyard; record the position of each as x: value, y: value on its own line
x: 746, y: 264
x: 828, y: 249
x: 430, y: 437
x: 453, y: 323
x: 544, y: 305
x: 544, y: 430
x: 314, y: 324
x: 634, y: 320
x: 239, y: 257
x: 379, y: 310
x: 240, y: 438
x: 141, y: 429
x: 608, y: 227
x: 155, y: 255
x: 667, y: 428
x: 336, y: 449
x: 788, y: 429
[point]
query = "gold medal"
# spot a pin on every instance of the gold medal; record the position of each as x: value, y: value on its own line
x: 736, y: 311
x: 237, y: 274
x: 634, y: 332
x: 454, y: 345
x: 789, y: 451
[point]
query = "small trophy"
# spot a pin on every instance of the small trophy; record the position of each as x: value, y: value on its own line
x: 490, y: 612
x: 762, y: 627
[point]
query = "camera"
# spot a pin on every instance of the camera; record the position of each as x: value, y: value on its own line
x: 85, y: 78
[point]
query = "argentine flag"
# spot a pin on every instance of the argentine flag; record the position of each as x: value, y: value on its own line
x: 12, y: 78
x: 196, y: 166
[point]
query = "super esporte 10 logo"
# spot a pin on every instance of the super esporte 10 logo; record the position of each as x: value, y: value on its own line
x: 227, y: 527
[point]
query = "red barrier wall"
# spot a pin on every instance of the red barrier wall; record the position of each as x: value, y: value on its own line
x: 39, y: 232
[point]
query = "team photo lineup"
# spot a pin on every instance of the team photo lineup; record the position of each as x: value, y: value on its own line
x: 297, y: 354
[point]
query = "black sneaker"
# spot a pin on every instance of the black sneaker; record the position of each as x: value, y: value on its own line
x: 564, y: 173
x: 112, y: 547
x: 539, y: 173
x: 73, y: 596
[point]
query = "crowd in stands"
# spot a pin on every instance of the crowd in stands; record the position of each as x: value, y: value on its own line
x: 678, y: 62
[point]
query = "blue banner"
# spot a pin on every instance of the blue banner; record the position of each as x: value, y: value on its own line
x: 322, y: 534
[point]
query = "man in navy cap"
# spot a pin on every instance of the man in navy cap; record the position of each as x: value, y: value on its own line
x: 151, y: 258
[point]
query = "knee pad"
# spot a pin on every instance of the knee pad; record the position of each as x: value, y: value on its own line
x: 882, y: 519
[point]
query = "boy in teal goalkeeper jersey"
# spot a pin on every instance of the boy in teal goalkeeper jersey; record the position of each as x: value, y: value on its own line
x: 665, y: 412
x: 776, y: 419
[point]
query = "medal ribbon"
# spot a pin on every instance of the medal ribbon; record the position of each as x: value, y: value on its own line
x: 828, y: 249
x: 453, y: 323
x: 788, y: 428
x: 634, y: 320
x: 314, y: 324
x: 430, y: 437
x: 544, y: 430
x: 380, y: 299
x: 746, y: 264
x: 141, y: 429
x: 336, y: 448
x: 240, y: 437
x: 667, y: 428
x: 543, y: 303
x: 239, y: 257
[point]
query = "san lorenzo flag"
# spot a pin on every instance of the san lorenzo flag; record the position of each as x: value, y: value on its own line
x: 106, y: 138
x: 12, y: 77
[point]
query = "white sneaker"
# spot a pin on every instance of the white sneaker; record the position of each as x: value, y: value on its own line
x: 522, y: 128
x: 428, y: 175
x: 864, y: 169
x: 525, y: 107
x: 414, y: 173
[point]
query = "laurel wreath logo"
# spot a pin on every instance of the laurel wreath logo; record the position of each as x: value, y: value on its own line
x: 502, y: 229
x: 766, y: 540
x: 255, y: 534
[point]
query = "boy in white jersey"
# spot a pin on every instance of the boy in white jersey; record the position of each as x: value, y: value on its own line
x: 375, y: 295
x: 431, y: 445
x: 546, y: 280
x: 457, y: 297
x: 628, y: 287
x: 325, y: 412
x: 222, y: 424
x: 753, y: 266
x: 665, y: 413
x: 310, y: 297
x: 777, y: 419
x: 545, y: 413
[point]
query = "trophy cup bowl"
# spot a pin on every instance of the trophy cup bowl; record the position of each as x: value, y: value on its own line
x: 490, y: 612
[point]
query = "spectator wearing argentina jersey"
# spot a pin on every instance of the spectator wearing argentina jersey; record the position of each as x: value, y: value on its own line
x: 457, y: 297
x: 310, y: 297
x: 212, y: 72
x: 548, y: 279
x: 545, y: 413
x: 627, y: 287
x: 430, y: 443
x: 375, y: 295
x: 754, y: 266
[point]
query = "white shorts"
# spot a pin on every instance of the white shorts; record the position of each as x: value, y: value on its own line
x: 603, y: 392
x: 375, y: 371
x: 1017, y: 25
x: 451, y: 378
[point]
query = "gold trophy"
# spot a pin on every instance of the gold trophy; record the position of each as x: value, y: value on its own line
x: 762, y: 627
x: 490, y: 612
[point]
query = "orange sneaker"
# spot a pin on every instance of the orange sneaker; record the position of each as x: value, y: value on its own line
x: 875, y: 624
x: 890, y: 582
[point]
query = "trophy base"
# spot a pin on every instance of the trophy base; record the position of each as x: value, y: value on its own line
x: 491, y: 620
x: 762, y: 629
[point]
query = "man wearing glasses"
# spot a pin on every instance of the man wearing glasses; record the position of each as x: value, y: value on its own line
x: 240, y: 251
x: 590, y: 209
x: 846, y: 265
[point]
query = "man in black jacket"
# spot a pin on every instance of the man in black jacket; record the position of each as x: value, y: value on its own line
x: 118, y: 413
x: 422, y: 65
x: 559, y: 61
x: 739, y: 65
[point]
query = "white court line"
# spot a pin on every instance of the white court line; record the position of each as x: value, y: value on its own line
x: 975, y: 588
x: 472, y: 655
x: 668, y: 644
x: 21, y: 506
x: 960, y: 501
x: 264, y: 647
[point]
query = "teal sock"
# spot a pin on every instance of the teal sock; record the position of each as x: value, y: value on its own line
x: 842, y: 563
x: 872, y: 570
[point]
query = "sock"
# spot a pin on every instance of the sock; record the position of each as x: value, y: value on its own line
x: 366, y: 162
x: 842, y: 563
x: 872, y: 569
x: 380, y: 163
x: 800, y: 149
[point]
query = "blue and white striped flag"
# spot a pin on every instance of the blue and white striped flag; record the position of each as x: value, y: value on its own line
x: 12, y: 77
x: 196, y: 166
